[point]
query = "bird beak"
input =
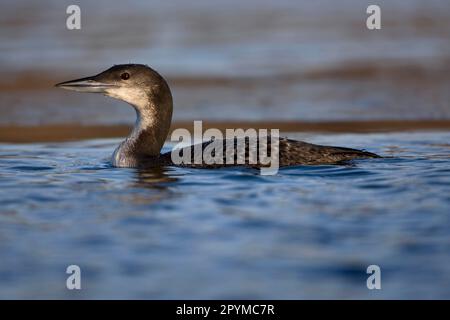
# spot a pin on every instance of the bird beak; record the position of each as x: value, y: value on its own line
x: 88, y: 84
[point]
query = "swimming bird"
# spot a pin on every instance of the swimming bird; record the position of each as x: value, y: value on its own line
x: 149, y: 94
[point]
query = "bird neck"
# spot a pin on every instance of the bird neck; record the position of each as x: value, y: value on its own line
x: 153, y: 119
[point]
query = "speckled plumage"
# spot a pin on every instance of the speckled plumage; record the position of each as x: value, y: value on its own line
x: 291, y: 153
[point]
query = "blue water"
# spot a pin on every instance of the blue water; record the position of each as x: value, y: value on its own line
x: 308, y: 232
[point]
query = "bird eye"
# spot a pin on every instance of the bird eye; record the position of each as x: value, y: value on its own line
x: 125, y: 76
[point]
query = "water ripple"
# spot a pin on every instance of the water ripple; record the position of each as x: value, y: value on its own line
x: 287, y: 235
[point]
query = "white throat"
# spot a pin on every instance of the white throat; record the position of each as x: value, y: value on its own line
x: 125, y: 154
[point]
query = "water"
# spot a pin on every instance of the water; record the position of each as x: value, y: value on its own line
x: 308, y: 232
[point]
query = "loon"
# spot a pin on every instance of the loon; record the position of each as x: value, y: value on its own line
x: 150, y: 95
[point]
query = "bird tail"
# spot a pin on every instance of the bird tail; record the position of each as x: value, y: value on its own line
x: 356, y: 152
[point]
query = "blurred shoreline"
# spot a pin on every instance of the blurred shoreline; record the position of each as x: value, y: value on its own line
x: 383, y: 91
x: 74, y: 132
x: 293, y: 65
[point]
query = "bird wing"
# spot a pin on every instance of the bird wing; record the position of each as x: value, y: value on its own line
x: 219, y: 153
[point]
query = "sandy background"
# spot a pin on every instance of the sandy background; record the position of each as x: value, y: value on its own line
x: 229, y: 62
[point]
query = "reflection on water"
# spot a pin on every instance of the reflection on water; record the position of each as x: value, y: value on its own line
x: 228, y: 233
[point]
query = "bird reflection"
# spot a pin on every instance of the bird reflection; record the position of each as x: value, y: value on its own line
x: 155, y: 178
x: 151, y: 186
